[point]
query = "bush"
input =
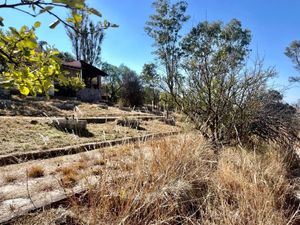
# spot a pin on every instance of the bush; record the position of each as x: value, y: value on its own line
x: 132, y: 90
x: 69, y: 86
x: 275, y: 120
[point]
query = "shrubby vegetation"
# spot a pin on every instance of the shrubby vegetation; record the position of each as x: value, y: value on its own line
x: 113, y: 81
x: 150, y: 80
x: 30, y: 71
x: 70, y: 85
x: 131, y: 92
x: 207, y: 76
x: 24, y: 68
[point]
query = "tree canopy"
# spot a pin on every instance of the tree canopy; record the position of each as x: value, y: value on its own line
x: 293, y: 52
x: 86, y: 39
x: 22, y: 65
x: 24, y: 68
x: 164, y: 27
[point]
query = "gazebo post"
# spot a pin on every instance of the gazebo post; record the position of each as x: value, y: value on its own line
x: 98, y: 82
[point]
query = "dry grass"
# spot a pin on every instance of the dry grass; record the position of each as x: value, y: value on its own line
x: 10, y: 178
x: 20, y: 135
x: 180, y: 181
x: 70, y: 175
x: 55, y: 107
x: 35, y: 172
x: 99, y: 162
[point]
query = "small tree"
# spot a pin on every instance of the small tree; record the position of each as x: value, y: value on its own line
x: 113, y: 80
x: 214, y: 55
x: 132, y: 89
x: 150, y: 79
x: 164, y: 27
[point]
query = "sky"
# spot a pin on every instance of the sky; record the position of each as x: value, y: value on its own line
x: 273, y: 24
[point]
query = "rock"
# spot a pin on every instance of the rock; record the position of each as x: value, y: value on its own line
x: 34, y: 122
x: 127, y: 109
x: 70, y: 125
x: 169, y: 121
x: 132, y: 123
x: 67, y: 106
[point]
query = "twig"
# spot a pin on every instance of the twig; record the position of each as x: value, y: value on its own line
x: 27, y: 187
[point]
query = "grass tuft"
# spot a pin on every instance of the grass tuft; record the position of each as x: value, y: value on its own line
x: 70, y: 176
x: 36, y: 171
x: 10, y: 178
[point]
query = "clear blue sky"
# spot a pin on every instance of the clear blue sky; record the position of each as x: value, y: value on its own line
x: 273, y: 23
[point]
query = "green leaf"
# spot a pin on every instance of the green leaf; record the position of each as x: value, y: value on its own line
x: 14, y: 31
x: 54, y: 24
x: 66, y: 2
x: 46, y: 9
x: 24, y: 90
x: 95, y: 12
x: 37, y: 24
x: 1, y: 22
x: 55, y: 52
x: 77, y: 17
x: 29, y: 44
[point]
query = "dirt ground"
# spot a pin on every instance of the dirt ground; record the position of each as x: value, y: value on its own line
x: 20, y: 134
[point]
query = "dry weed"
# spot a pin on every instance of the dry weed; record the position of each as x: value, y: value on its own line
x: 10, y: 178
x: 36, y: 171
x: 181, y: 181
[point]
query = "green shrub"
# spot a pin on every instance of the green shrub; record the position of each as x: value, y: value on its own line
x: 73, y: 83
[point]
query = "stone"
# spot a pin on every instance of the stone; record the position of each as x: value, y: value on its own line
x: 132, y: 123
x: 70, y: 125
x: 169, y: 121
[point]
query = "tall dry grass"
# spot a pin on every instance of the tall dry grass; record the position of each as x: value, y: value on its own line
x: 181, y: 181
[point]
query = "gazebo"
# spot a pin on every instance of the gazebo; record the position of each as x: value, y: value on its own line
x: 86, y: 72
x: 90, y: 75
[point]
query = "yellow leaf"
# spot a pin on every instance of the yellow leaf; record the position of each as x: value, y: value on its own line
x: 24, y: 90
x: 37, y: 24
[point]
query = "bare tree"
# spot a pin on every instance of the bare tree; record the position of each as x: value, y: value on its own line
x: 87, y: 40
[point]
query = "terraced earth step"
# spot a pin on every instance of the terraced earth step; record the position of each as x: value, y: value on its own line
x: 111, y: 119
x: 14, y: 208
x: 15, y: 158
